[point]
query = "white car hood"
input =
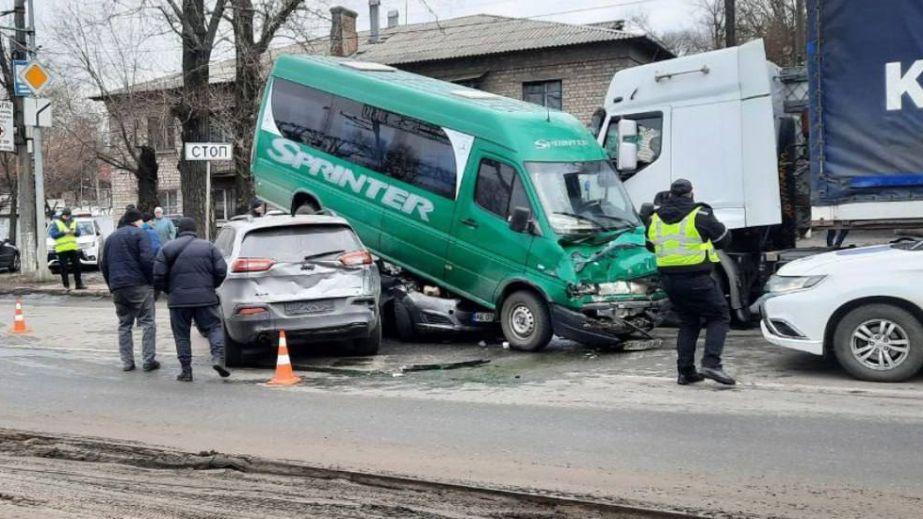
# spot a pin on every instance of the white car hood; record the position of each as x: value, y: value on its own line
x: 846, y: 260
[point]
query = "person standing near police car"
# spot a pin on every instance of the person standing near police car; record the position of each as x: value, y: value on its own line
x: 684, y: 235
x: 64, y: 231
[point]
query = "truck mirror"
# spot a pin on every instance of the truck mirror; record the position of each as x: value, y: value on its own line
x: 596, y: 121
x: 519, y: 220
x: 628, y: 146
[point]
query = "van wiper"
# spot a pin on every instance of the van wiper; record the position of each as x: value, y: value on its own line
x: 581, y: 217
x: 625, y: 221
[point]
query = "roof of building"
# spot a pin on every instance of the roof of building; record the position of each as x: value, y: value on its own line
x: 468, y: 36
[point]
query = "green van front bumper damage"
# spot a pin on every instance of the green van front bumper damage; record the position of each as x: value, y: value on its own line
x: 604, y: 323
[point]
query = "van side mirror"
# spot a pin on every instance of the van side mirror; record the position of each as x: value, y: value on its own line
x: 596, y: 121
x: 628, y: 146
x: 519, y: 220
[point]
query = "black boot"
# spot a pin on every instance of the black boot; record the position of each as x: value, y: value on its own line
x: 185, y: 375
x: 218, y: 365
x: 690, y: 377
x: 718, y: 375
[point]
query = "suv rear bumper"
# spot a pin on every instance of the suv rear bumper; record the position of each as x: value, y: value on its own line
x: 264, y: 328
x: 605, y: 323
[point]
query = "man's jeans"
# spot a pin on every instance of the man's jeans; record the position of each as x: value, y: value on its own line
x: 207, y: 320
x: 133, y: 303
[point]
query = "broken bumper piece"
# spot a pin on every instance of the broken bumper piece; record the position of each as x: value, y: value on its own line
x: 606, y: 323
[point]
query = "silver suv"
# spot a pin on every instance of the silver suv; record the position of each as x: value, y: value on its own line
x: 308, y: 275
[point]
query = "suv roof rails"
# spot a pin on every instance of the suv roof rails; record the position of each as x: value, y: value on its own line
x: 242, y: 218
x: 275, y: 212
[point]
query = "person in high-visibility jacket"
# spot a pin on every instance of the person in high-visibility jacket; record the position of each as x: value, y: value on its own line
x: 65, y: 231
x: 684, y: 235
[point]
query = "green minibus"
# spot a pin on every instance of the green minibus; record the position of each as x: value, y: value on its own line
x: 506, y: 204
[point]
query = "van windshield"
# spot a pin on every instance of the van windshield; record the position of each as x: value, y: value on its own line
x: 582, y: 197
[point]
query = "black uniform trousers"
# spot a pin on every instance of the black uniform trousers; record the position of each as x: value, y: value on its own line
x: 698, y: 302
x: 69, y: 261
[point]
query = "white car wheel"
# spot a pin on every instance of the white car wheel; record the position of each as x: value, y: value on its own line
x: 879, y: 342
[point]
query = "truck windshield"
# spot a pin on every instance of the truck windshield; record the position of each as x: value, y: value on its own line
x: 581, y: 197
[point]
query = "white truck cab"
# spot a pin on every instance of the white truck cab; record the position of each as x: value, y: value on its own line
x: 708, y: 118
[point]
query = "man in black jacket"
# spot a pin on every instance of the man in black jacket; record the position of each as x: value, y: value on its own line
x: 127, y: 263
x: 189, y: 270
x: 684, y: 236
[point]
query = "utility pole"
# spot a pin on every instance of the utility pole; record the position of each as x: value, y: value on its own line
x: 41, y: 251
x: 730, y: 23
x: 26, y: 182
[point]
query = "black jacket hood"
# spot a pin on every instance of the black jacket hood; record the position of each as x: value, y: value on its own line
x: 676, y: 208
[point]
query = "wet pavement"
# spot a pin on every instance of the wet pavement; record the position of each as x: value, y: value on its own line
x: 796, y: 438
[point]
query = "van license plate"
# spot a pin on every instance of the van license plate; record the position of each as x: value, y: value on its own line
x: 483, y: 317
x: 308, y: 307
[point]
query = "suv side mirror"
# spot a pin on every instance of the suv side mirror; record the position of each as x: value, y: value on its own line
x: 519, y: 220
x: 628, y: 147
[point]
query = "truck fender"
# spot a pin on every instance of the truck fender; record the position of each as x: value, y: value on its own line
x: 728, y: 268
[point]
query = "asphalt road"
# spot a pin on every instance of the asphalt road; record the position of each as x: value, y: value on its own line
x: 796, y: 438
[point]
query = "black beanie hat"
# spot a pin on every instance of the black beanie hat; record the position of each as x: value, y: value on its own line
x: 132, y: 216
x: 185, y: 224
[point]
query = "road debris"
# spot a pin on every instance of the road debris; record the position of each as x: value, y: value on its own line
x: 444, y: 366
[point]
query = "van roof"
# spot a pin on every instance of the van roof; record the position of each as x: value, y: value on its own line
x: 532, y: 130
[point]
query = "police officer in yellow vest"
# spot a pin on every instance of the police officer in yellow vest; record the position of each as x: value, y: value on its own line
x: 684, y: 235
x: 65, y: 231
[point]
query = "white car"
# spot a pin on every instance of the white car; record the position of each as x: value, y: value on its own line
x: 90, y: 242
x: 864, y: 305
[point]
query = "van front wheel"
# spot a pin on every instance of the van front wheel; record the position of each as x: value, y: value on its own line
x: 525, y: 321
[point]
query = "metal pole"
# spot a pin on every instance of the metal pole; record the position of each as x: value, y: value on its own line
x: 208, y: 198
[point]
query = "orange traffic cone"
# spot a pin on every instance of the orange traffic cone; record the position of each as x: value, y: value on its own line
x: 284, y: 375
x: 19, y: 321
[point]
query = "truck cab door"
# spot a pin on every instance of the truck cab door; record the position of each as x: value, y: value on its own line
x: 484, y: 250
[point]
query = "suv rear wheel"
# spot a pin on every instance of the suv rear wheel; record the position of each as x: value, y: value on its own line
x: 233, y: 350
x: 879, y: 342
x: 369, y: 346
x: 525, y: 321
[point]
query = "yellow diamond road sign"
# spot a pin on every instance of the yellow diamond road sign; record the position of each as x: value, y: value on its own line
x: 35, y: 77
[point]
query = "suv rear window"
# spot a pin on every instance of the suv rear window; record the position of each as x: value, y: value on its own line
x: 293, y: 243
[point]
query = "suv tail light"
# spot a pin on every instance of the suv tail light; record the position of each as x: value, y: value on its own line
x: 356, y: 258
x: 252, y: 265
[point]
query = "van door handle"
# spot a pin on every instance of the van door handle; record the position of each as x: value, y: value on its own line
x: 470, y: 223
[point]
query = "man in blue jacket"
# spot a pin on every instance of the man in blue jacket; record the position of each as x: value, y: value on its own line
x: 127, y: 266
x: 189, y: 270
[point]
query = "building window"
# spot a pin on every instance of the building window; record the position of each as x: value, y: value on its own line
x: 169, y: 201
x: 545, y: 93
x: 161, y: 133
x: 220, y: 208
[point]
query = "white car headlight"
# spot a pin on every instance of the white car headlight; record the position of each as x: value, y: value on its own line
x: 618, y: 288
x: 781, y: 284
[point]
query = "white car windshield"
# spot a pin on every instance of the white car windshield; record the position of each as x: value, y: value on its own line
x: 581, y: 197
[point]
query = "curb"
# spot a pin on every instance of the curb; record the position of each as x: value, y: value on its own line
x: 53, y: 291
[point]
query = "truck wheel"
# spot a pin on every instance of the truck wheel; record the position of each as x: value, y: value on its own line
x: 525, y: 321
x: 368, y: 347
x: 233, y: 350
x: 879, y: 342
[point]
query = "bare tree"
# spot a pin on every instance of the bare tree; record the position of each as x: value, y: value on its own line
x: 197, y: 29
x: 102, y: 53
x: 255, y: 26
x: 7, y: 164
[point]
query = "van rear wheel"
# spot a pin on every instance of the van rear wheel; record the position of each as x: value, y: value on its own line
x: 307, y: 208
x: 526, y: 321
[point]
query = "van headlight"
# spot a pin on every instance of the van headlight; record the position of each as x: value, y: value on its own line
x: 622, y: 288
x: 782, y: 284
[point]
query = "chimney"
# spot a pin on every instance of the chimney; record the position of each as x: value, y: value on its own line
x: 394, y: 18
x: 344, y: 41
x: 374, y: 21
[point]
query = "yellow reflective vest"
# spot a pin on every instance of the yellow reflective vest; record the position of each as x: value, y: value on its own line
x: 680, y: 244
x: 66, y: 242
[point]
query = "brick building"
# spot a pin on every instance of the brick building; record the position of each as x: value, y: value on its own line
x: 561, y: 66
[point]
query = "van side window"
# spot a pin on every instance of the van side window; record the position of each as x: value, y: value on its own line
x: 650, y: 137
x: 498, y: 188
x: 300, y: 112
x: 401, y: 147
